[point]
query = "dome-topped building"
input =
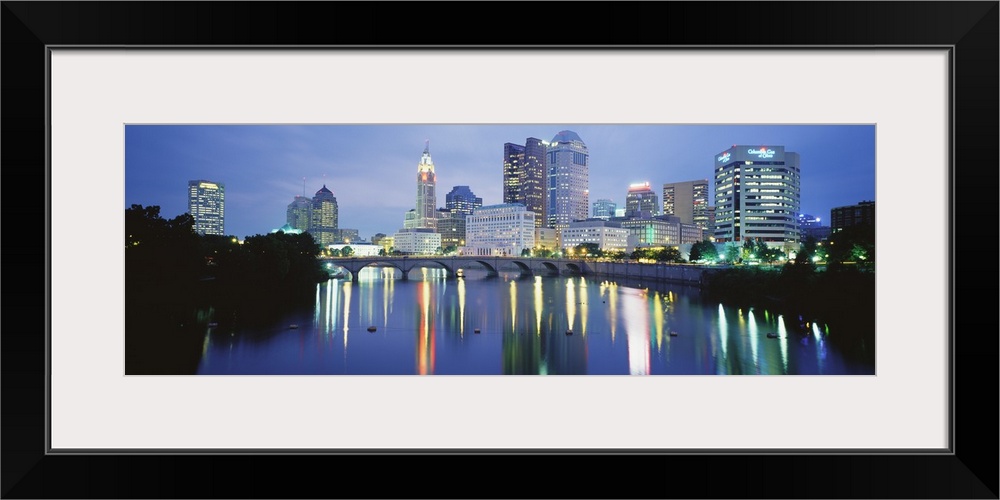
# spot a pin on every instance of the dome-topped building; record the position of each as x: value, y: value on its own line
x: 566, y: 136
x: 568, y: 197
x: 324, y: 217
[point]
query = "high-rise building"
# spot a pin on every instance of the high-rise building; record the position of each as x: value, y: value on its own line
x: 687, y: 200
x: 533, y: 177
x: 513, y: 163
x: 524, y: 175
x: 323, y: 227
x: 641, y: 201
x: 852, y: 215
x: 568, y: 164
x: 461, y: 199
x: 426, y: 197
x: 604, y: 209
x: 299, y: 213
x: 207, y: 204
x: 757, y: 195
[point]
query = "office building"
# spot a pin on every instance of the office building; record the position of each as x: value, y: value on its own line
x: 323, y: 227
x: 641, y: 201
x: 419, y: 241
x: 505, y: 229
x: 609, y: 236
x: 810, y: 225
x: 462, y: 200
x: 604, y: 209
x: 687, y: 200
x: 852, y: 215
x: 757, y: 195
x: 524, y: 175
x: 299, y: 213
x: 451, y: 227
x: 513, y: 159
x: 207, y: 204
x: 568, y: 164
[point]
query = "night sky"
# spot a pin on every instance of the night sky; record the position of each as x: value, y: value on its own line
x: 371, y: 169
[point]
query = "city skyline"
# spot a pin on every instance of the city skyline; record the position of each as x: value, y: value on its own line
x: 369, y: 167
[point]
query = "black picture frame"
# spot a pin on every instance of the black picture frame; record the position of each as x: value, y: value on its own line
x: 969, y: 471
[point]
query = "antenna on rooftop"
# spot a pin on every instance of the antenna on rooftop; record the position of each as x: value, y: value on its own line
x: 303, y: 187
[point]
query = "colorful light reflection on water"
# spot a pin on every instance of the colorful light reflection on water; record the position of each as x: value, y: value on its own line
x: 565, y: 325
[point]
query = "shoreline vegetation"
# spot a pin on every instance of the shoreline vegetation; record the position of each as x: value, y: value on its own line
x: 177, y: 282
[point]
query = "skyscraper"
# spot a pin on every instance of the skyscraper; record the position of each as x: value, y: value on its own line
x: 687, y: 200
x: 323, y: 226
x: 524, y: 174
x: 426, y: 197
x: 207, y: 204
x: 513, y: 163
x: 641, y: 201
x: 462, y: 200
x: 604, y: 209
x: 533, y: 179
x: 757, y: 195
x: 568, y: 164
x: 299, y: 213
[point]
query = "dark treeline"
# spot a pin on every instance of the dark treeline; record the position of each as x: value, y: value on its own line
x: 842, y: 295
x: 173, y: 275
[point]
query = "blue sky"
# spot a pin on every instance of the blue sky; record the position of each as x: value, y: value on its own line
x: 371, y: 169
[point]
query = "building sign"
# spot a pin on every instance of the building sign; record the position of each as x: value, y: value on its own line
x: 724, y: 158
x: 762, y: 153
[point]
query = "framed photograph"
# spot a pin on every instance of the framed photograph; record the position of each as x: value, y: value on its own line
x: 226, y: 123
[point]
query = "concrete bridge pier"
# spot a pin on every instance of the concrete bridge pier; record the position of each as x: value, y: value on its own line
x: 406, y: 275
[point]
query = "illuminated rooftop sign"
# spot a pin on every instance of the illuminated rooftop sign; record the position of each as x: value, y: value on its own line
x: 724, y: 158
x: 762, y: 153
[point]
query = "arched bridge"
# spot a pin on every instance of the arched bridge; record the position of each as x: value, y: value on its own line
x: 526, y: 265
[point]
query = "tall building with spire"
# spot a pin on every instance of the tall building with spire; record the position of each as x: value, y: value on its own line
x: 323, y: 226
x: 207, y: 204
x: 568, y: 164
x: 426, y: 198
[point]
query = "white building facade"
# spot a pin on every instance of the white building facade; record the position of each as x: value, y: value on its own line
x: 608, y: 236
x: 420, y: 241
x: 757, y: 191
x: 505, y: 229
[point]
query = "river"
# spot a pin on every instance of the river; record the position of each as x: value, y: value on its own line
x: 509, y: 325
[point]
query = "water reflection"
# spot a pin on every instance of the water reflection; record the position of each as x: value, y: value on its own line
x: 564, y: 325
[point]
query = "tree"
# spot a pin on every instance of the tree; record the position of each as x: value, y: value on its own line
x: 703, y: 251
x: 347, y: 251
x: 669, y: 254
x: 732, y: 253
x: 587, y: 250
x: 381, y: 252
x: 526, y: 252
x: 853, y: 244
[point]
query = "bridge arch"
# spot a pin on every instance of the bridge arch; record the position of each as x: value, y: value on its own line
x: 550, y: 268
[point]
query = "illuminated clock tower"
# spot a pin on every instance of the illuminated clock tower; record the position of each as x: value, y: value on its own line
x: 426, y: 199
